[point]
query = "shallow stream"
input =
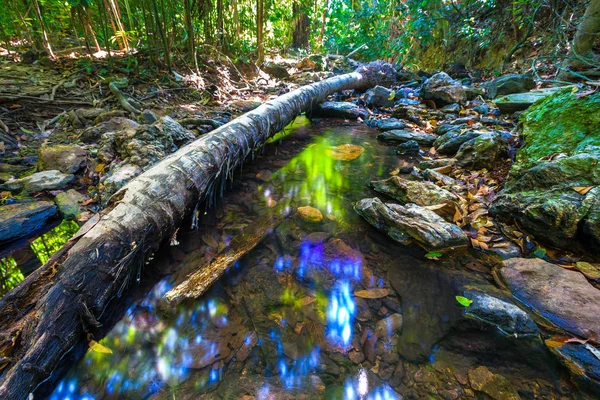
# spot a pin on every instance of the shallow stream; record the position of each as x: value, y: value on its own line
x: 330, y: 309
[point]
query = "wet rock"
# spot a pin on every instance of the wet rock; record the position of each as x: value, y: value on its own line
x: 507, y: 317
x: 45, y: 180
x: 310, y: 214
x: 442, y: 89
x: 389, y: 326
x: 116, y: 179
x: 410, y: 148
x: 509, y: 84
x: 264, y: 175
x: 482, y: 151
x: 437, y: 163
x: 510, y: 251
x: 403, y: 223
x: 521, y: 101
x: 450, y: 142
x: 69, y: 203
x: 495, y: 386
x: 451, y: 108
x: 563, y: 297
x: 339, y: 109
x: 420, y: 193
x: 275, y: 70
x: 379, y: 96
x: 357, y: 357
x: 67, y: 159
x: 387, y: 124
x: 580, y: 359
x: 18, y: 220
x: 483, y: 109
x: 401, y: 136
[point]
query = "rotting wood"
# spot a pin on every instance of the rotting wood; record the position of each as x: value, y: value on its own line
x: 54, y: 308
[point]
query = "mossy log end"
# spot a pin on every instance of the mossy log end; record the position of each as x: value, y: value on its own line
x: 54, y: 308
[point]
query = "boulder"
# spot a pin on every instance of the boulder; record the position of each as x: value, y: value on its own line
x: 509, y: 84
x: 94, y: 133
x: 379, y: 96
x: 339, y: 109
x: 505, y: 316
x: 275, y: 70
x: 401, y: 136
x: 147, y: 117
x: 67, y: 159
x: 450, y: 142
x: 482, y: 151
x: 387, y: 124
x: 403, y: 223
x: 69, y: 203
x: 561, y: 296
x: 45, y: 180
x: 410, y: 148
x: 496, y: 386
x: 522, y: 101
x: 19, y: 220
x: 420, y: 193
x: 443, y: 90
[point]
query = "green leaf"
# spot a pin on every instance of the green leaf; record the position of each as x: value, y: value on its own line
x: 463, y: 301
x: 540, y: 252
x: 433, y: 255
x: 392, y: 95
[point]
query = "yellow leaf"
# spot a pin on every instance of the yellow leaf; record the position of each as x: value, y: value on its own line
x: 372, y: 293
x: 100, y: 167
x: 582, y: 190
x: 554, y: 343
x: 98, y: 348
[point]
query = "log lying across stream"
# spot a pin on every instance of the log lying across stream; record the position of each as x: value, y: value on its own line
x: 56, y: 306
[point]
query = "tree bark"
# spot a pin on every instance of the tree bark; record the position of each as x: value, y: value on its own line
x: 588, y: 33
x: 54, y: 308
x: 259, y: 32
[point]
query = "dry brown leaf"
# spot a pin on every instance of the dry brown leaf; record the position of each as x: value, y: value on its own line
x: 483, y: 245
x: 372, y: 293
x: 582, y: 190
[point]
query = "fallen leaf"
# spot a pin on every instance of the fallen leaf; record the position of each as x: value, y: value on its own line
x: 463, y: 301
x: 372, y: 293
x: 576, y: 340
x: 433, y: 255
x: 582, y: 190
x: 345, y: 152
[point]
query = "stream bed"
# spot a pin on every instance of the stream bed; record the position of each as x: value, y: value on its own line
x: 323, y: 307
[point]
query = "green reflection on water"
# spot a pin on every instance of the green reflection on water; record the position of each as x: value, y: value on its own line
x: 49, y: 243
x: 10, y: 275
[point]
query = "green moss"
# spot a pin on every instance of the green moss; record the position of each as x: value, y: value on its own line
x: 560, y: 123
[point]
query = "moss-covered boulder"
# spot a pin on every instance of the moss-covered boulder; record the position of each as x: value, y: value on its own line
x: 553, y: 190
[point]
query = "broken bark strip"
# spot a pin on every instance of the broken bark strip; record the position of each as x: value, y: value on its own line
x: 51, y: 310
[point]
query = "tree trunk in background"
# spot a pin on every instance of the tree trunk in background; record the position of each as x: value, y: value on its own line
x: 189, y: 26
x: 588, y: 33
x: 163, y: 37
x: 259, y: 32
x: 236, y: 20
x: 220, y: 26
x: 301, y: 26
x: 45, y: 40
x: 323, y: 24
x: 55, y: 307
x: 27, y: 30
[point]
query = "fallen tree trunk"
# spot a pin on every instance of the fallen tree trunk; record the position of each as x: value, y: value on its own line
x: 55, y: 307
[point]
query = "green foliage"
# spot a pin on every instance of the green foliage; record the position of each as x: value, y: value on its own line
x: 463, y: 301
x: 49, y: 243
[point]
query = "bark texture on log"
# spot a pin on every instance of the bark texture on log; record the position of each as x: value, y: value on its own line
x: 49, y: 312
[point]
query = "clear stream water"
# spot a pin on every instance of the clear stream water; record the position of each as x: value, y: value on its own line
x: 286, y: 321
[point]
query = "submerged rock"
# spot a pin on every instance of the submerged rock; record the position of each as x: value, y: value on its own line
x: 410, y: 148
x: 310, y: 214
x: 67, y: 159
x: 482, y: 151
x: 442, y: 89
x: 563, y: 297
x: 580, y: 359
x: 508, y: 84
x: 45, y: 180
x: 507, y: 317
x: 339, y: 109
x: 403, y: 223
x: 420, y: 193
x: 493, y: 385
x: 18, y: 220
x: 401, y: 136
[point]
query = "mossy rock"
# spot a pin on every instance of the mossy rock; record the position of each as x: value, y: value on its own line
x: 560, y: 123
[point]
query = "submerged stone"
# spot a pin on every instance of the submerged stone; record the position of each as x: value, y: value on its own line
x: 310, y: 214
x: 18, y: 220
x: 495, y: 386
x: 345, y: 152
x: 561, y: 296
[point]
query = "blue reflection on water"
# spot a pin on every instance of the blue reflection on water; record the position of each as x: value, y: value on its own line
x: 340, y: 313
